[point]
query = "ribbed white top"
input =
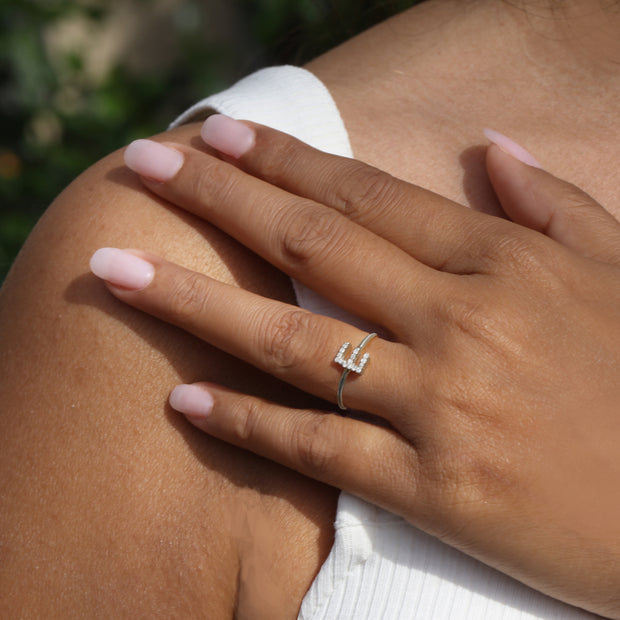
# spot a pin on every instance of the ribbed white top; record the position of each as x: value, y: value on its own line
x: 380, y: 567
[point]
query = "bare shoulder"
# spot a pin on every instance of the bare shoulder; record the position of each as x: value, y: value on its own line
x: 110, y: 504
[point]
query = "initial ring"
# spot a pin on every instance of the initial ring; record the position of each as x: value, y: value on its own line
x: 351, y: 364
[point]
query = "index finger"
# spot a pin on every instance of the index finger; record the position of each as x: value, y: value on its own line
x: 429, y: 227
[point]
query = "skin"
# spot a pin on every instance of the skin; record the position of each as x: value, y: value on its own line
x: 107, y: 497
x: 111, y: 506
x: 492, y: 447
x: 446, y: 69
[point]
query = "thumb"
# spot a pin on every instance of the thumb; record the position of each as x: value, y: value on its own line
x: 536, y: 199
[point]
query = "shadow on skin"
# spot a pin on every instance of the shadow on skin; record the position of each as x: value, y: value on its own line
x: 476, y: 184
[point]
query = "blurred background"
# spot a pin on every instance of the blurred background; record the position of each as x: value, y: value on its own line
x: 81, y: 78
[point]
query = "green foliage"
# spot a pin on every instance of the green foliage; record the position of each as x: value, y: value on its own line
x: 55, y: 120
x: 297, y: 31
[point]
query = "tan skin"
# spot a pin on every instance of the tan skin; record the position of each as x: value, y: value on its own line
x: 149, y: 516
x: 496, y: 445
x: 108, y: 498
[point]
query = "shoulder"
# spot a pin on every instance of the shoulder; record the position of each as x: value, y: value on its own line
x: 105, y: 494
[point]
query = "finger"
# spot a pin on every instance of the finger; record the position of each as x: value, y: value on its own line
x: 428, y: 227
x: 371, y: 462
x: 292, y: 344
x: 310, y: 242
x: 536, y: 199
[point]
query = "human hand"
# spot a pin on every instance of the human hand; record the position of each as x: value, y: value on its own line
x: 498, y: 372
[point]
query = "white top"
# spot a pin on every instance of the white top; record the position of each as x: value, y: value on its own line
x: 380, y: 567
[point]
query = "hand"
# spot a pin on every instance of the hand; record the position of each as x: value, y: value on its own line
x: 498, y: 373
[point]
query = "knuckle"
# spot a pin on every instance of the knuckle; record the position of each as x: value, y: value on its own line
x: 576, y: 198
x: 364, y: 187
x: 308, y: 232
x: 315, y: 446
x: 187, y: 297
x: 473, y: 317
x: 582, y: 211
x: 283, y: 338
x: 471, y: 481
x: 245, y: 413
x: 520, y: 252
x: 485, y: 482
x: 279, y: 154
x: 212, y: 183
x: 494, y: 332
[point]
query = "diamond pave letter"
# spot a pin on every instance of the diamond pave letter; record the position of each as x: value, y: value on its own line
x: 350, y: 363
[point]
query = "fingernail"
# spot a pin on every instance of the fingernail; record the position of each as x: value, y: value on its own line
x: 192, y: 401
x: 121, y: 268
x: 153, y: 160
x: 512, y: 148
x: 228, y: 135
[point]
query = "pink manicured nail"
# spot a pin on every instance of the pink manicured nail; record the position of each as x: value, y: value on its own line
x: 512, y: 148
x: 153, y: 160
x: 191, y: 400
x: 227, y: 135
x: 122, y: 268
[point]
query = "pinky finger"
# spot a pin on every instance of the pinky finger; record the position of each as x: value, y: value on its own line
x: 374, y: 463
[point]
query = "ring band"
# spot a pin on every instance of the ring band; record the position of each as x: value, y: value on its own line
x: 351, y: 364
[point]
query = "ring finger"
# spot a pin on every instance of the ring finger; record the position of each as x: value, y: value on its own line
x: 290, y: 343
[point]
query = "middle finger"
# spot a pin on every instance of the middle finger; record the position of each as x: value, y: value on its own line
x: 311, y: 242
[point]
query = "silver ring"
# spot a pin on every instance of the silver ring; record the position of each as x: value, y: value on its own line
x: 351, y: 364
